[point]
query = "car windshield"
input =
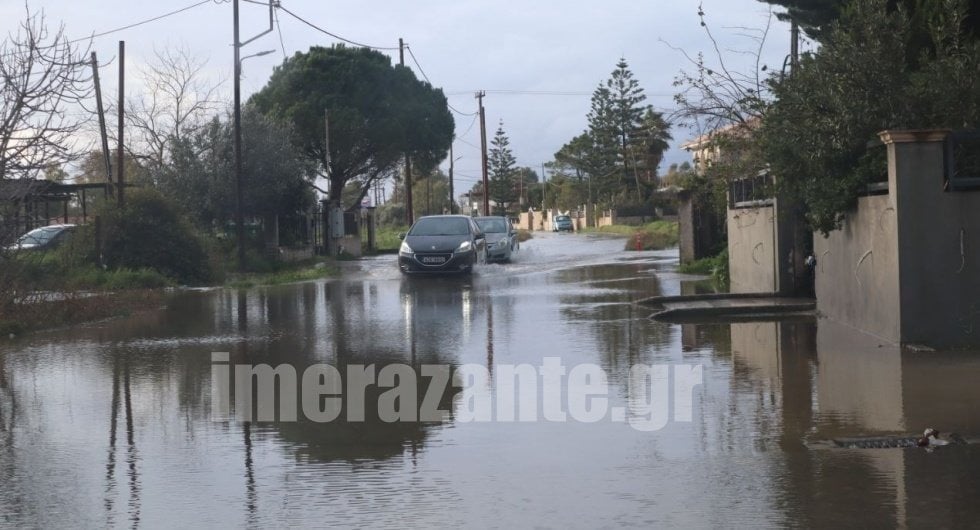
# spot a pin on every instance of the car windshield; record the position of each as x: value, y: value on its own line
x: 493, y: 226
x: 441, y: 226
x: 38, y: 236
x: 563, y: 218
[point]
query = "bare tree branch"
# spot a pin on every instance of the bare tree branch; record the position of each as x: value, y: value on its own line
x: 42, y: 75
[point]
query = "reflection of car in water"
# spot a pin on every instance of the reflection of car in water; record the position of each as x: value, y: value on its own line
x: 442, y: 244
x: 501, y: 237
x: 44, y: 238
x: 562, y: 223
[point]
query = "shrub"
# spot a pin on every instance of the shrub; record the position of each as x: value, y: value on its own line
x: 149, y: 232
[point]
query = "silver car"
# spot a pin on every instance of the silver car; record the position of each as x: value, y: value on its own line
x: 501, y: 238
x: 43, y: 238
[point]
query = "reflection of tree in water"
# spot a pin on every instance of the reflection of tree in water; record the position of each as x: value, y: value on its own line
x: 8, y: 420
x: 371, y: 438
x: 431, y: 320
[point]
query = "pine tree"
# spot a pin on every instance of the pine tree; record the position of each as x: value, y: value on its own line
x: 601, y: 163
x: 627, y: 109
x: 501, y: 164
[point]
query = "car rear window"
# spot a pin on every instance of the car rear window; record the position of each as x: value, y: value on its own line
x: 446, y: 226
x: 494, y: 226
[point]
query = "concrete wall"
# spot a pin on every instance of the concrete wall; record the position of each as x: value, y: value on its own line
x: 751, y: 250
x: 939, y: 245
x: 699, y: 230
x: 906, y: 266
x: 857, y: 269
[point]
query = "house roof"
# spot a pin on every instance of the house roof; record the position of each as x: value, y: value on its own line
x: 738, y: 128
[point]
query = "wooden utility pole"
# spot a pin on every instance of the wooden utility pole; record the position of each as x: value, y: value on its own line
x: 239, y: 191
x: 329, y: 218
x: 120, y: 167
x: 409, y: 207
x: 452, y: 196
x: 794, y: 47
x: 106, y: 154
x: 483, y: 154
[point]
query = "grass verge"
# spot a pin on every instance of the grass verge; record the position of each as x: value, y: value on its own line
x: 72, y: 308
x: 656, y: 235
x: 290, y: 273
x: 715, y: 266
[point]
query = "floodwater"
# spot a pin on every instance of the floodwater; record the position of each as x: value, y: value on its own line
x: 111, y: 424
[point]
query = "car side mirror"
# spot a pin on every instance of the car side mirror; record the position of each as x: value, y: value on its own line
x: 401, y: 235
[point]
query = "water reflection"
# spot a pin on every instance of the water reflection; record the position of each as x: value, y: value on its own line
x: 794, y: 384
x: 110, y: 424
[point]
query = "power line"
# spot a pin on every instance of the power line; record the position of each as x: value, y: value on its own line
x: 281, y: 42
x: 334, y: 35
x: 421, y: 71
x: 472, y: 123
x: 510, y: 92
x: 474, y: 146
x: 140, y: 23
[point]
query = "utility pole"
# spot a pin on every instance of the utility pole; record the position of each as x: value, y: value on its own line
x: 483, y: 154
x: 409, y: 207
x: 520, y: 188
x: 544, y: 186
x: 239, y: 192
x: 452, y: 196
x: 106, y: 155
x: 120, y: 168
x: 794, y: 47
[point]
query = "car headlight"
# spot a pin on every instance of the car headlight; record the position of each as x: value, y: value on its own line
x: 464, y: 246
x: 405, y: 249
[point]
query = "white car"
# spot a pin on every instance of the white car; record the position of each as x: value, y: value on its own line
x: 46, y: 237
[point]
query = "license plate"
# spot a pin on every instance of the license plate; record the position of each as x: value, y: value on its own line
x: 433, y: 259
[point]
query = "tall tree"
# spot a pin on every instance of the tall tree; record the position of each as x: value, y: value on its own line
x: 275, y: 173
x: 42, y: 73
x: 604, y: 148
x: 501, y: 164
x: 377, y: 113
x: 816, y: 17
x: 816, y: 134
x: 651, y: 140
x: 627, y: 108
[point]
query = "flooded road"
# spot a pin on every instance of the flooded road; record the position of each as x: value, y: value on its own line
x: 111, y: 424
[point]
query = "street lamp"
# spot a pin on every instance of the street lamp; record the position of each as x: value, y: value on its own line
x: 259, y: 54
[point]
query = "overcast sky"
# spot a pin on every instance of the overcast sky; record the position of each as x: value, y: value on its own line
x: 538, y: 60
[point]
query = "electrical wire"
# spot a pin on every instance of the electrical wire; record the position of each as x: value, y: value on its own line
x: 474, y: 146
x: 116, y: 30
x: 334, y: 35
x: 281, y: 41
x: 421, y: 71
x: 472, y: 123
x: 140, y: 23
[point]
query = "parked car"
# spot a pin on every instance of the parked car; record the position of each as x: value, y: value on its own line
x: 442, y: 244
x: 44, y: 238
x: 562, y: 223
x: 501, y: 238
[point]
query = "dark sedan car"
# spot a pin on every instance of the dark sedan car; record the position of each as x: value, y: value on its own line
x: 442, y: 244
x: 501, y: 238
